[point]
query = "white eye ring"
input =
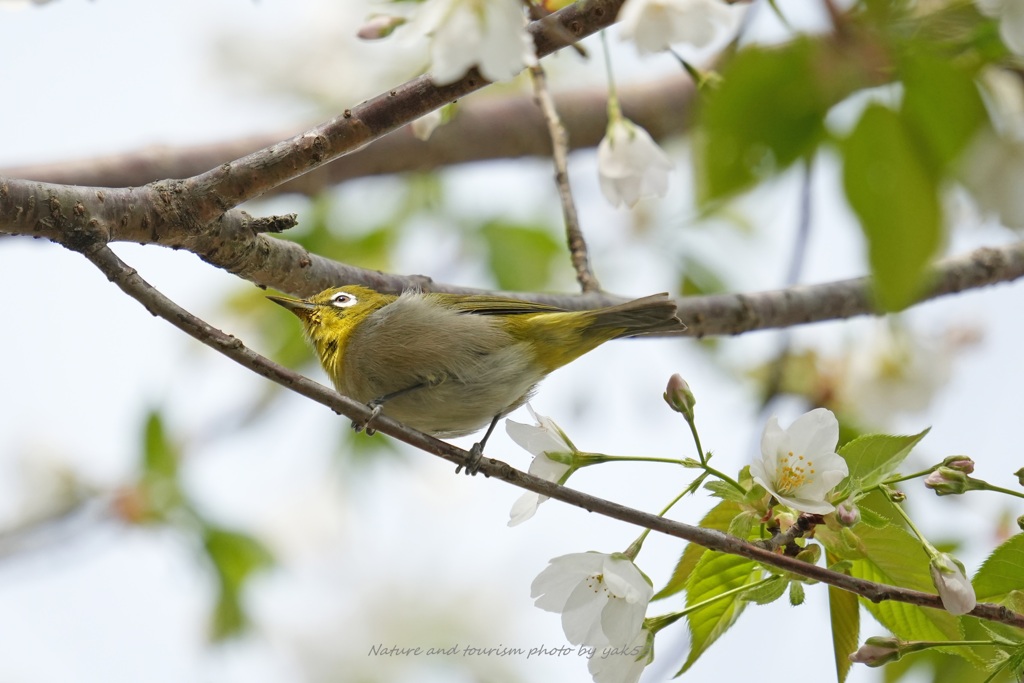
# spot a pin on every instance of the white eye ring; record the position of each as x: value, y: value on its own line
x: 343, y: 300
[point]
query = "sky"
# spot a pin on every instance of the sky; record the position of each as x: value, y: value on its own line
x: 381, y: 553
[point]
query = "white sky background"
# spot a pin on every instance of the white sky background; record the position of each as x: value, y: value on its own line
x: 378, y: 556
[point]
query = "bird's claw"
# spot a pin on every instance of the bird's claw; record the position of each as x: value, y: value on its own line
x: 472, y: 464
x: 365, y: 424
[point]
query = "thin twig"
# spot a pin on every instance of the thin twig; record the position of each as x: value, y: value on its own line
x: 156, y: 303
x: 559, y: 153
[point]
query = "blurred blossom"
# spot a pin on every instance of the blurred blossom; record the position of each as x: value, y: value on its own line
x: 799, y: 464
x: 488, y: 34
x: 892, y: 372
x: 424, y: 126
x: 631, y: 165
x: 380, y: 26
x: 655, y: 25
x: 954, y: 587
x: 602, y: 598
x: 624, y: 663
x: 992, y: 167
x: 543, y: 439
x: 1010, y: 14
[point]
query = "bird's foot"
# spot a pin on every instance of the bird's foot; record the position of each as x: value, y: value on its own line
x: 472, y: 465
x: 375, y: 409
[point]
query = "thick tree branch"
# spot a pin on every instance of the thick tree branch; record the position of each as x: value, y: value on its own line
x: 156, y: 303
x: 662, y: 107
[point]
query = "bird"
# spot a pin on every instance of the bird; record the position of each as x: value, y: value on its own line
x: 451, y: 364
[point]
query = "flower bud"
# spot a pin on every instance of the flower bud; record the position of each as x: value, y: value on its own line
x: 379, y: 26
x: 954, y: 588
x: 679, y: 397
x: 960, y: 463
x: 947, y: 482
x: 1020, y: 522
x: 877, y: 651
x: 1020, y: 476
x: 897, y: 496
x: 847, y: 514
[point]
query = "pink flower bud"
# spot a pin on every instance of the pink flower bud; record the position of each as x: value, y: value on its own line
x: 848, y: 514
x: 877, y: 651
x: 679, y: 397
x: 960, y: 463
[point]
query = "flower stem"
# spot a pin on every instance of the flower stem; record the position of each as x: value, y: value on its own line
x: 614, y: 109
x: 928, y: 547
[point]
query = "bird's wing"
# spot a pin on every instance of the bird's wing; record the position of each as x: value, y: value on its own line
x: 492, y: 305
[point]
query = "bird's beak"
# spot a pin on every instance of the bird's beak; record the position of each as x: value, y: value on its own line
x: 299, y: 307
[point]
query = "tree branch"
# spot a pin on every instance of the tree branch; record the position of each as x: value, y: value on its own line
x: 559, y: 154
x: 157, y: 304
x: 663, y: 107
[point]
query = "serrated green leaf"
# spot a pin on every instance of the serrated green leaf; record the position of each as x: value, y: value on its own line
x: 768, y: 592
x: 520, y: 256
x: 783, y: 85
x: 1002, y: 572
x: 873, y: 457
x: 893, y: 556
x: 895, y: 195
x: 724, y: 490
x: 742, y: 525
x: 941, y: 104
x: 844, y: 616
x: 719, y: 518
x: 716, y: 573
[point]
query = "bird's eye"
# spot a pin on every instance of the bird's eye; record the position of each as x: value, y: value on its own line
x: 342, y: 300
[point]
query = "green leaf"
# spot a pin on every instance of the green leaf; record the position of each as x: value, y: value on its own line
x: 1002, y: 572
x: 893, y: 556
x: 783, y: 85
x: 724, y: 490
x: 715, y: 574
x: 894, y: 192
x: 873, y: 457
x: 844, y: 615
x: 235, y: 557
x: 720, y: 518
x: 768, y: 592
x: 797, y: 594
x: 159, y: 456
x: 520, y: 256
x: 941, y: 104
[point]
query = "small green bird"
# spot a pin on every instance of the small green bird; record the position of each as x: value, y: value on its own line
x: 449, y: 364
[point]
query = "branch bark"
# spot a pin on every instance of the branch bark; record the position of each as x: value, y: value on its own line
x: 157, y: 304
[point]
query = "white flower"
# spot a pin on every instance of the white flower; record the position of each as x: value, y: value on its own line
x: 1011, y: 21
x: 488, y: 34
x: 892, y: 372
x: 630, y: 164
x: 424, y: 126
x: 799, y: 465
x: 954, y: 587
x: 602, y: 598
x: 625, y: 663
x: 654, y: 25
x: 993, y: 172
x: 541, y: 439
